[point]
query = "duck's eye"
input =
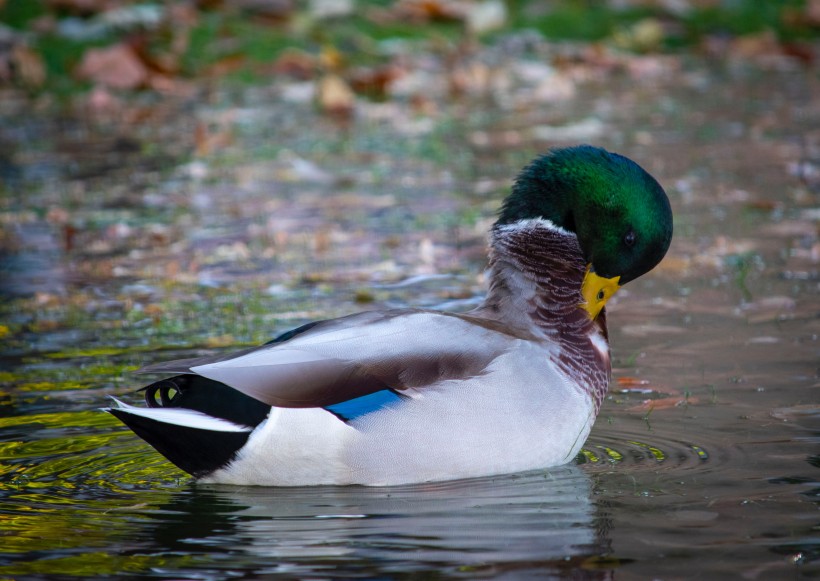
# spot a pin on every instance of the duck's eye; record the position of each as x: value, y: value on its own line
x: 629, y: 238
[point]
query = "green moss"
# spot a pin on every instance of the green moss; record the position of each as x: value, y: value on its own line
x: 576, y: 19
x: 363, y: 28
x: 18, y: 13
x: 744, y: 17
x: 60, y: 55
x: 219, y: 37
x: 588, y: 20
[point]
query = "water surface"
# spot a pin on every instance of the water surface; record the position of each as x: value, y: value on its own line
x: 704, y: 460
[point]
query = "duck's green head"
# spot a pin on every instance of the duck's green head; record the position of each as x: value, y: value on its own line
x: 620, y: 214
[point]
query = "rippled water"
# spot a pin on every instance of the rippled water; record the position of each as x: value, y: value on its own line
x: 704, y: 460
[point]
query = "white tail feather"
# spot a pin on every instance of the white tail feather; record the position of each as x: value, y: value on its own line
x: 183, y: 417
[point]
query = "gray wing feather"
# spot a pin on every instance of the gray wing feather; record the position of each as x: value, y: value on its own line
x: 345, y: 358
x: 181, y: 366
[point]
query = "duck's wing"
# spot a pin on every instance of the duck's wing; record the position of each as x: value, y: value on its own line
x: 339, y: 360
x: 178, y: 366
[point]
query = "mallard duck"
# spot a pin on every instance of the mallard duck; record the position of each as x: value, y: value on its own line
x: 414, y: 395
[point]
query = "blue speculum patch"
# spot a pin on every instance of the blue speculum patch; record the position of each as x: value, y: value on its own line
x: 359, y: 406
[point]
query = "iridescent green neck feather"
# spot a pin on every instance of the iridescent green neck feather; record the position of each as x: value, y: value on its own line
x: 620, y: 214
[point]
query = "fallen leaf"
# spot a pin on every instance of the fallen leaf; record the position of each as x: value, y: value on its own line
x: 631, y: 382
x: 334, y: 96
x: 296, y: 63
x: 167, y: 63
x: 423, y: 11
x: 226, y: 65
x: 373, y: 82
x: 29, y: 66
x: 813, y: 12
x: 117, y: 67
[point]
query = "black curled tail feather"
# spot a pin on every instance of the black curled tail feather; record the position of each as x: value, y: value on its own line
x: 167, y: 389
x: 207, y: 396
x: 195, y: 450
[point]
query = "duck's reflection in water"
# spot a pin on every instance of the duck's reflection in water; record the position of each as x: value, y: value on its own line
x: 541, y: 522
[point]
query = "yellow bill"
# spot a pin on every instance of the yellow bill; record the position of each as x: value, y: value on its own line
x: 596, y: 291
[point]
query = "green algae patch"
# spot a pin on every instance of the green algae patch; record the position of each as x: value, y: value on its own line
x: 94, y: 564
x: 50, y: 386
x: 94, y: 352
x: 82, y: 419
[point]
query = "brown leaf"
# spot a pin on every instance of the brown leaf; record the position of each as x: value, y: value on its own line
x: 170, y: 85
x: 295, y: 63
x: 631, y: 382
x: 761, y: 46
x: 167, y: 63
x: 117, y: 67
x: 813, y: 12
x: 421, y: 11
x: 373, y: 82
x: 225, y: 65
x: 154, y: 311
x: 29, y: 66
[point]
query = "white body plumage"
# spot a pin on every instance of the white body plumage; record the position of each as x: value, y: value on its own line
x: 521, y: 413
